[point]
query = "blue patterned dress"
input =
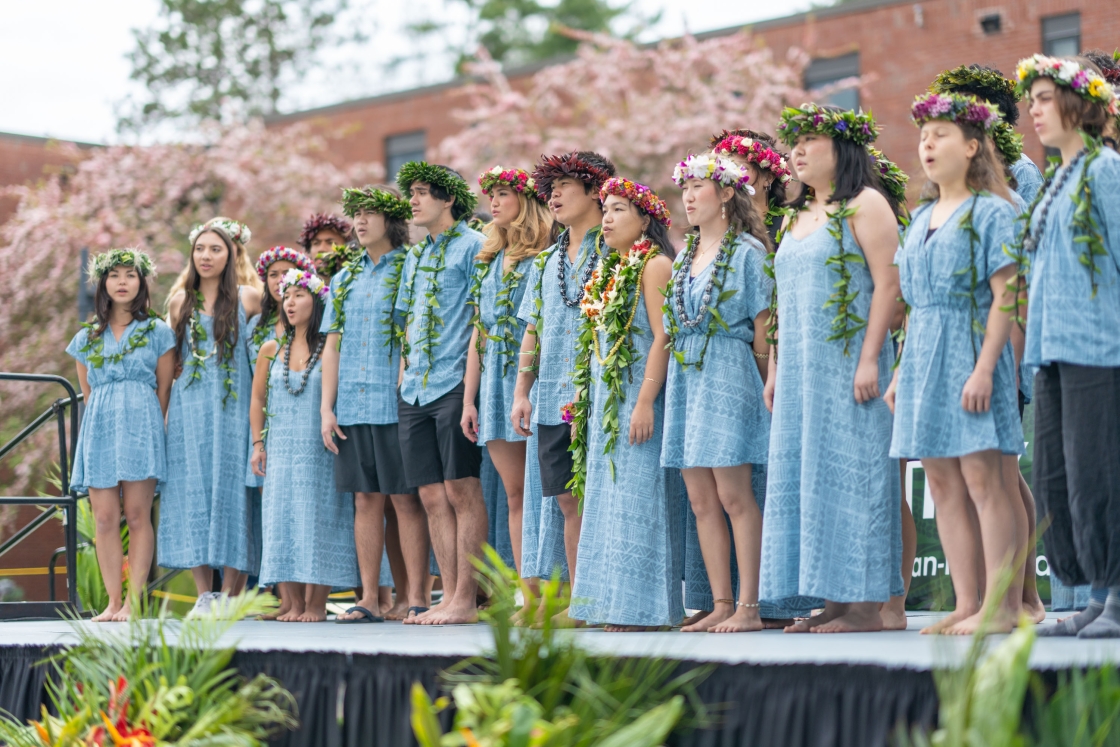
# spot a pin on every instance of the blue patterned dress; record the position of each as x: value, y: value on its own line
x: 205, y: 513
x: 715, y: 417
x: 941, y: 349
x: 500, y: 359
x: 122, y: 435
x: 831, y: 529
x: 308, y: 525
x: 631, y: 553
x: 253, y: 349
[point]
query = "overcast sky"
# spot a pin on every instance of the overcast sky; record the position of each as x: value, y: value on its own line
x: 65, y: 68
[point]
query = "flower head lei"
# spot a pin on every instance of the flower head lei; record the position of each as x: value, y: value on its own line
x: 518, y: 180
x: 571, y: 166
x: 958, y: 108
x: 756, y: 152
x: 1070, y: 74
x: 440, y: 176
x: 306, y: 280
x: 813, y: 119
x: 237, y: 232
x: 893, y: 178
x: 106, y: 261
x: 376, y: 201
x: 717, y: 168
x: 323, y: 222
x: 642, y: 196
x: 283, y: 254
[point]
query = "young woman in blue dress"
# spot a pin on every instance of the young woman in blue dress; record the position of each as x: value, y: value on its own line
x: 205, y: 514
x: 832, y: 526
x: 125, y: 368
x: 954, y: 395
x: 521, y: 229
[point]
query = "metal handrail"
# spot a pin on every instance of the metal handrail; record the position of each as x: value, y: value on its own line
x: 68, y: 501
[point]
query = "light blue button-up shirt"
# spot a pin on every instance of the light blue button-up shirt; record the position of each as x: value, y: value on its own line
x: 558, y: 329
x: 367, y: 364
x: 1064, y: 321
x: 1028, y: 177
x: 432, y: 374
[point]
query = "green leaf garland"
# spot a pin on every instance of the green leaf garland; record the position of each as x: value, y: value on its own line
x: 846, y: 324
x: 502, y: 333
x: 537, y: 316
x: 95, y: 344
x: 196, y: 334
x: 430, y: 321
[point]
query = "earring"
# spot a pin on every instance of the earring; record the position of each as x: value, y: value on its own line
x: 723, y: 211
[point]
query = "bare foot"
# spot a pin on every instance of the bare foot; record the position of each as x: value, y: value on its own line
x: 722, y: 612
x: 368, y: 604
x: 893, y: 614
x: 433, y: 611
x: 452, y: 615
x: 745, y: 620
x: 398, y: 611
x: 700, y: 615
x: 313, y: 616
x: 291, y: 616
x: 948, y: 621
x: 804, y: 626
x: 283, y: 610
x: 109, y: 615
x: 853, y: 621
x: 1033, y: 607
x: 771, y: 623
x: 563, y: 620
x: 1001, y: 622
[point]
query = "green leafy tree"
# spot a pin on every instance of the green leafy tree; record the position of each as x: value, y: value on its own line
x: 224, y: 60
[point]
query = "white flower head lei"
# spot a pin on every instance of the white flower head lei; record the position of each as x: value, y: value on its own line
x: 236, y: 231
x: 717, y: 168
x: 306, y: 280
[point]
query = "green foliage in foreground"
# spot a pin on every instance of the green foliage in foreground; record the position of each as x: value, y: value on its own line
x: 538, y: 688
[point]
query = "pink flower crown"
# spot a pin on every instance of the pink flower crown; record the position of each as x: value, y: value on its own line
x: 307, y: 280
x: 518, y: 180
x: 642, y: 196
x: 283, y: 254
x: 957, y: 108
x: 756, y: 152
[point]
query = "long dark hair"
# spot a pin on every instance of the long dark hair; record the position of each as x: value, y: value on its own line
x: 103, y: 304
x: 743, y: 217
x: 985, y: 171
x: 313, y: 334
x: 225, y: 306
x: 659, y: 236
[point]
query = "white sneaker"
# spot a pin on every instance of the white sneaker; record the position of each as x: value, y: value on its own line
x: 203, y: 604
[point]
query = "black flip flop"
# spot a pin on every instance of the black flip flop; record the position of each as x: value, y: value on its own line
x: 367, y: 617
x: 416, y: 611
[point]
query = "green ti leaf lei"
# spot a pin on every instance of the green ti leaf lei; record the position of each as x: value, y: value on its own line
x: 768, y: 268
x: 614, y: 317
x: 394, y: 332
x: 95, y: 346
x: 268, y: 388
x: 1018, y: 284
x: 430, y: 321
x: 846, y: 324
x: 507, y: 314
x: 966, y: 225
x: 262, y: 331
x: 1085, y: 228
x: 537, y: 316
x: 719, y: 277
x: 196, y: 334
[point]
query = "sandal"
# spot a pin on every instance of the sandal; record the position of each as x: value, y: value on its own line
x: 367, y: 617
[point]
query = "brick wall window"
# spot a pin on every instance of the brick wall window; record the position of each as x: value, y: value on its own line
x: 1061, y: 35
x: 826, y: 71
x: 400, y: 149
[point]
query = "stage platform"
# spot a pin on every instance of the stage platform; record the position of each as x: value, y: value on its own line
x: 352, y: 681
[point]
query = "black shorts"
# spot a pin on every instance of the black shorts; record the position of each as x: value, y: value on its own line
x: 433, y: 446
x: 1022, y: 404
x: 369, y: 461
x: 555, y: 459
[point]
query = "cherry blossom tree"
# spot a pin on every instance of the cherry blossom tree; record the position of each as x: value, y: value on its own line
x: 148, y: 197
x: 645, y: 107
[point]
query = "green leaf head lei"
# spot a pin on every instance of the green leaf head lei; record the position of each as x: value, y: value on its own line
x: 813, y: 119
x: 376, y: 201
x: 102, y: 263
x: 440, y: 176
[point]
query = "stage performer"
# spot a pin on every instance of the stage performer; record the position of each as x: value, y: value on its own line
x: 520, y: 230
x: 954, y: 393
x: 631, y: 553
x: 326, y: 238
x: 438, y: 458
x: 768, y: 169
x: 205, y: 513
x: 308, y: 537
x: 989, y: 84
x: 717, y: 429
x: 358, y: 407
x: 1072, y: 246
x: 125, y: 368
x: 550, y: 309
x: 831, y: 527
x: 246, y: 272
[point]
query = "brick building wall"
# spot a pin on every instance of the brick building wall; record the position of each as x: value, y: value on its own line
x: 23, y: 159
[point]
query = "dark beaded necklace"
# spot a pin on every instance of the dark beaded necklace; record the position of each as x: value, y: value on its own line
x: 1030, y: 242
x: 306, y: 371
x: 686, y: 273
x: 562, y: 244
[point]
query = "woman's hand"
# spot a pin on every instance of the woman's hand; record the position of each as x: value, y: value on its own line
x: 892, y: 390
x: 258, y: 459
x: 469, y: 422
x: 867, y: 381
x: 977, y: 394
x: 328, y: 429
x: 641, y: 423
x: 768, y: 393
x: 521, y: 415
